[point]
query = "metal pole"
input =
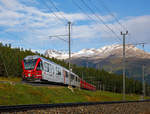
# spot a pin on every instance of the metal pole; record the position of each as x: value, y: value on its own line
x: 124, y: 34
x: 57, y: 36
x: 124, y: 89
x: 69, y: 24
x: 143, y: 67
x: 143, y: 80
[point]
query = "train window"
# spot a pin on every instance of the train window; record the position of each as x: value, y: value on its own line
x: 41, y: 63
x: 66, y: 74
x: 50, y: 68
x: 30, y: 64
x: 58, y: 71
x: 72, y: 76
x: 76, y: 79
x: 53, y: 71
x: 46, y: 67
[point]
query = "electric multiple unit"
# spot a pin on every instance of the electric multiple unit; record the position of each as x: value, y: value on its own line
x: 36, y: 68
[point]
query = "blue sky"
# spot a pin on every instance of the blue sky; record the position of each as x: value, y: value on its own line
x: 29, y: 23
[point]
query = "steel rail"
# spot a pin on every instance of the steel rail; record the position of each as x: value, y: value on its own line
x: 14, y: 108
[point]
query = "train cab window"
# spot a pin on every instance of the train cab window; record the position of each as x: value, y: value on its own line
x: 40, y: 66
x: 30, y: 64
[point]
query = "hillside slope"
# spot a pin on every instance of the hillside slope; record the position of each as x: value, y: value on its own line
x: 20, y: 94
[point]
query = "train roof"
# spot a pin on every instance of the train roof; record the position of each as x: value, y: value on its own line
x: 42, y: 58
x: 37, y: 56
x: 32, y: 57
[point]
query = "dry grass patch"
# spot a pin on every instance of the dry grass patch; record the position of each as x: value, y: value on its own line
x: 12, y: 79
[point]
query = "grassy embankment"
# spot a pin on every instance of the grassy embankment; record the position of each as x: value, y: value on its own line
x: 15, y: 94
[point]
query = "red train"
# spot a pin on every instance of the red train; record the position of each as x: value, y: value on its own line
x: 38, y: 69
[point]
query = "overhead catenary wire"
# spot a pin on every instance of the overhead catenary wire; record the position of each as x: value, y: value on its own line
x: 101, y: 2
x: 85, y: 13
x: 104, y: 5
x: 131, y: 40
x: 116, y: 19
x: 52, y: 3
x: 53, y: 13
x: 98, y: 9
x: 100, y: 19
x: 58, y: 10
x: 58, y: 38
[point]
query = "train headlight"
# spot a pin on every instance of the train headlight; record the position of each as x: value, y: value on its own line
x: 29, y: 74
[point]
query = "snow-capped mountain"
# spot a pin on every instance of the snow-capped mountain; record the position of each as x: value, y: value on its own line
x: 64, y: 55
x: 104, y: 52
x: 110, y: 59
x: 56, y: 54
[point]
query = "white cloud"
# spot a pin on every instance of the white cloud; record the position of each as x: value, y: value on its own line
x: 13, y: 5
x: 37, y: 25
x: 6, y: 41
x: 139, y: 28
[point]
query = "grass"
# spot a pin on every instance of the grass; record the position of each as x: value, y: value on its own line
x: 17, y: 94
x: 10, y: 79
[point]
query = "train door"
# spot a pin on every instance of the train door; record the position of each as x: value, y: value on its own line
x: 64, y: 76
x: 46, y: 71
x: 76, y: 81
x: 72, y: 79
x: 67, y: 77
x: 61, y: 75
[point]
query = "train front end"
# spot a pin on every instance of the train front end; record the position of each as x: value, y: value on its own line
x: 32, y: 68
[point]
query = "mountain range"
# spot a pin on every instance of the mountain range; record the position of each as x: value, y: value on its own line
x: 110, y: 59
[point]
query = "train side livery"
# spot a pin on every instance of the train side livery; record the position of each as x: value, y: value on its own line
x: 38, y: 69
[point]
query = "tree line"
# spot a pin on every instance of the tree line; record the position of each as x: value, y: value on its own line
x: 10, y: 66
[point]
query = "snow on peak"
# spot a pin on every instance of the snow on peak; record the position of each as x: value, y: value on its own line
x: 105, y: 51
x: 85, y: 52
x: 56, y: 54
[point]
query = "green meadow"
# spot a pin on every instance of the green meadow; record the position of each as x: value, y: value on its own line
x: 18, y: 94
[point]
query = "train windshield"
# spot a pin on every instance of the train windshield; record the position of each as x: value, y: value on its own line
x: 40, y: 66
x: 30, y: 64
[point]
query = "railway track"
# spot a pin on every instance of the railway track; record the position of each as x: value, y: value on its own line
x: 18, y: 108
x: 40, y: 83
